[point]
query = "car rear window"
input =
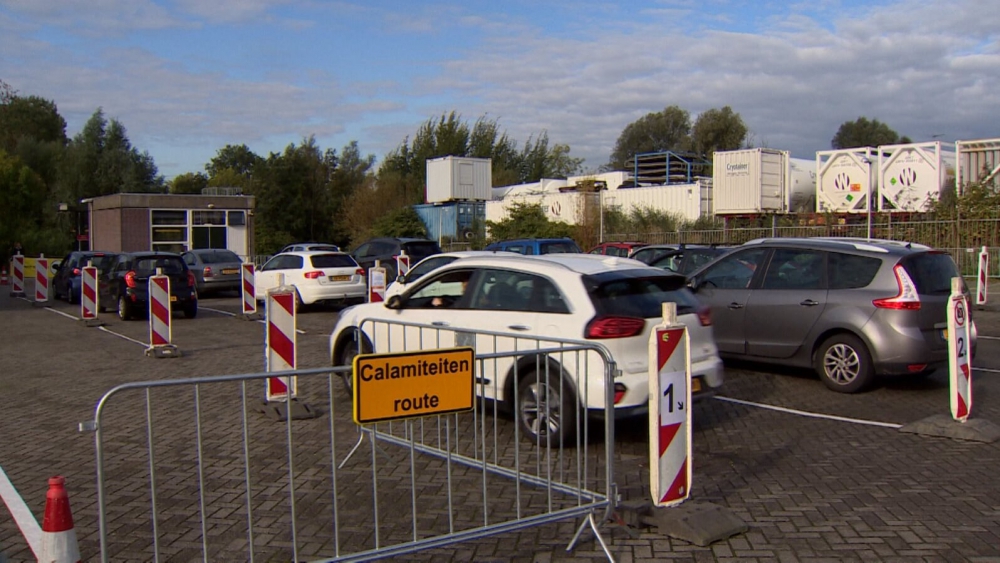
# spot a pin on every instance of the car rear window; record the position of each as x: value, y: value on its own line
x: 559, y: 247
x: 850, y: 271
x: 642, y: 297
x: 169, y: 265
x: 931, y: 272
x: 333, y: 261
x: 421, y: 249
x: 219, y: 256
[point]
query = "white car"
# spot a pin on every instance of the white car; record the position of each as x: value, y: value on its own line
x: 315, y: 275
x: 433, y: 262
x: 614, y: 302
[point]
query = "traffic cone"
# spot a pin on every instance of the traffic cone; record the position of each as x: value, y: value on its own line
x: 3, y: 277
x: 58, y: 536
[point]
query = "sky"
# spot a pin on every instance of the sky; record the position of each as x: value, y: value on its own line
x: 188, y: 77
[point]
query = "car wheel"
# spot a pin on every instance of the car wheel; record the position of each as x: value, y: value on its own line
x: 126, y: 311
x: 545, y: 412
x: 71, y: 297
x: 844, y: 364
x: 191, y: 310
x: 347, y: 356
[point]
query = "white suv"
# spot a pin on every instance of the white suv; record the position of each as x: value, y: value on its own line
x: 615, y: 302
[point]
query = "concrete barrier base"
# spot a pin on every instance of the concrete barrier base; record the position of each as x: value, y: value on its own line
x: 279, y: 410
x: 92, y: 322
x: 168, y: 351
x: 944, y: 426
x: 699, y: 523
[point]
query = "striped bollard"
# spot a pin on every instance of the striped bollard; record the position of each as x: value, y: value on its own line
x: 402, y: 264
x: 669, y: 411
x: 88, y: 295
x: 959, y: 370
x: 376, y: 284
x: 17, y: 290
x: 249, y: 292
x: 41, y: 280
x: 160, y: 332
x: 984, y: 270
x: 281, y: 355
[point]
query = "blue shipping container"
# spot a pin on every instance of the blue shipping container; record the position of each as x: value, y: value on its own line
x: 455, y: 220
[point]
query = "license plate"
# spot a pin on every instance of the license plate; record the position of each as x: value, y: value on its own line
x: 173, y: 298
x: 340, y: 278
x: 228, y: 271
x: 696, y: 385
x: 944, y: 334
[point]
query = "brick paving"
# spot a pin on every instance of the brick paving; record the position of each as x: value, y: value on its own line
x: 810, y: 489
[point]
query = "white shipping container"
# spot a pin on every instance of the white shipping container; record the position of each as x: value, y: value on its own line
x: 750, y: 181
x: 844, y: 180
x: 977, y: 161
x: 910, y: 176
x: 453, y: 178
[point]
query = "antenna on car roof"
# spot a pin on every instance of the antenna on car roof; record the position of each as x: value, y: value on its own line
x: 909, y: 245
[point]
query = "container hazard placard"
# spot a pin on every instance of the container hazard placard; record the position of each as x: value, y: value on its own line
x: 413, y: 384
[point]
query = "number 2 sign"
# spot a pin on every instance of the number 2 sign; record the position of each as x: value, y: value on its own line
x: 959, y: 370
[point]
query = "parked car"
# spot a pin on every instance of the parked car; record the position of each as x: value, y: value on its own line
x: 386, y: 249
x: 851, y: 309
x: 307, y: 246
x: 649, y: 253
x: 316, y: 276
x: 126, y: 283
x: 623, y: 249
x: 67, y: 283
x: 431, y: 263
x: 215, y: 269
x: 572, y: 296
x: 687, y: 259
x: 536, y: 246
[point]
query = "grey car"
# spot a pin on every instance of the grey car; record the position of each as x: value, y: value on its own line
x: 852, y: 309
x: 215, y: 269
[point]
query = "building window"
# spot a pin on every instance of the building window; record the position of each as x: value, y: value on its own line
x: 208, y: 218
x: 168, y: 217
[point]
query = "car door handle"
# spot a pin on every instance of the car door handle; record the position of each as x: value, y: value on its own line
x: 519, y: 327
x: 439, y: 323
x: 734, y: 305
x: 809, y: 303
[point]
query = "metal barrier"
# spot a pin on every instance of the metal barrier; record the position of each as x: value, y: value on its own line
x: 250, y: 489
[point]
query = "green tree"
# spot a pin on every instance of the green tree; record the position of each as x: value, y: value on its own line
x: 718, y: 130
x: 22, y: 199
x: 32, y: 118
x: 238, y: 158
x: 864, y: 133
x: 669, y: 129
x: 400, y: 222
x: 527, y: 220
x: 539, y: 161
x: 188, y: 183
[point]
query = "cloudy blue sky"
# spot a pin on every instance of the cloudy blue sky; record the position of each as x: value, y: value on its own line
x: 187, y: 77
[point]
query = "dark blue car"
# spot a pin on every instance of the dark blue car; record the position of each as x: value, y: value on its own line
x: 536, y: 246
x: 66, y: 282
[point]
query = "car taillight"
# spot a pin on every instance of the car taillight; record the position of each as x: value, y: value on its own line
x: 614, y: 327
x: 192, y: 282
x: 130, y: 278
x: 76, y: 271
x: 360, y: 272
x: 619, y: 392
x: 314, y: 275
x: 207, y: 272
x: 705, y: 316
x: 906, y: 299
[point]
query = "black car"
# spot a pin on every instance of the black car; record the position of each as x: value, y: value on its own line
x: 386, y: 249
x: 66, y: 282
x: 126, y: 283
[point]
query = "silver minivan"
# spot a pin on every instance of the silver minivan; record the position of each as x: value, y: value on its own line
x: 852, y: 309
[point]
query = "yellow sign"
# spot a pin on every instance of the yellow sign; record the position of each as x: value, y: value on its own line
x: 413, y: 384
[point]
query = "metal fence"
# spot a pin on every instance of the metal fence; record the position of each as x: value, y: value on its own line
x: 186, y: 470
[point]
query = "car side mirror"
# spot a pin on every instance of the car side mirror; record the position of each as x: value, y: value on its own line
x: 394, y: 302
x: 401, y: 278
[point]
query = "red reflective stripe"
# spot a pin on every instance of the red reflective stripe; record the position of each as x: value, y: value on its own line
x: 281, y: 344
x: 679, y: 485
x: 665, y: 349
x: 667, y: 435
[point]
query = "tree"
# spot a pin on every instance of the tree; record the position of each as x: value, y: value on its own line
x: 527, y: 220
x: 29, y: 118
x: 188, y: 183
x: 238, y: 158
x: 400, y: 222
x: 865, y: 133
x: 22, y: 201
x: 539, y: 161
x: 669, y: 129
x: 718, y: 130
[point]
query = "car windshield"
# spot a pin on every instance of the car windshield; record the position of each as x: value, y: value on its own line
x: 333, y: 261
x: 168, y: 264
x: 219, y: 256
x: 931, y: 272
x: 639, y: 296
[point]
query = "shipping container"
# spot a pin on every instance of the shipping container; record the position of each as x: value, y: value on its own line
x: 750, y: 181
x: 977, y: 161
x: 457, y: 220
x: 845, y: 179
x: 910, y: 176
x: 454, y: 178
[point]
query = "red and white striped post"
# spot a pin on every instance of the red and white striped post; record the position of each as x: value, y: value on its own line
x: 88, y: 295
x: 41, y: 280
x: 160, y: 332
x: 984, y: 272
x: 670, y: 410
x: 376, y: 283
x: 402, y: 264
x: 17, y: 290
x: 249, y: 291
x: 280, y: 340
x: 959, y: 370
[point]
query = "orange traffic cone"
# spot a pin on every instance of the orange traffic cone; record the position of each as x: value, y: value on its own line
x: 58, y: 536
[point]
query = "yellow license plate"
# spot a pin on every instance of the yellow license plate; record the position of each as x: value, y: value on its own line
x: 696, y: 385
x: 944, y: 334
x: 340, y: 278
x: 228, y: 271
x: 173, y: 298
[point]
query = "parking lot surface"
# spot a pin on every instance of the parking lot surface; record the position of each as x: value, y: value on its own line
x: 810, y: 488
